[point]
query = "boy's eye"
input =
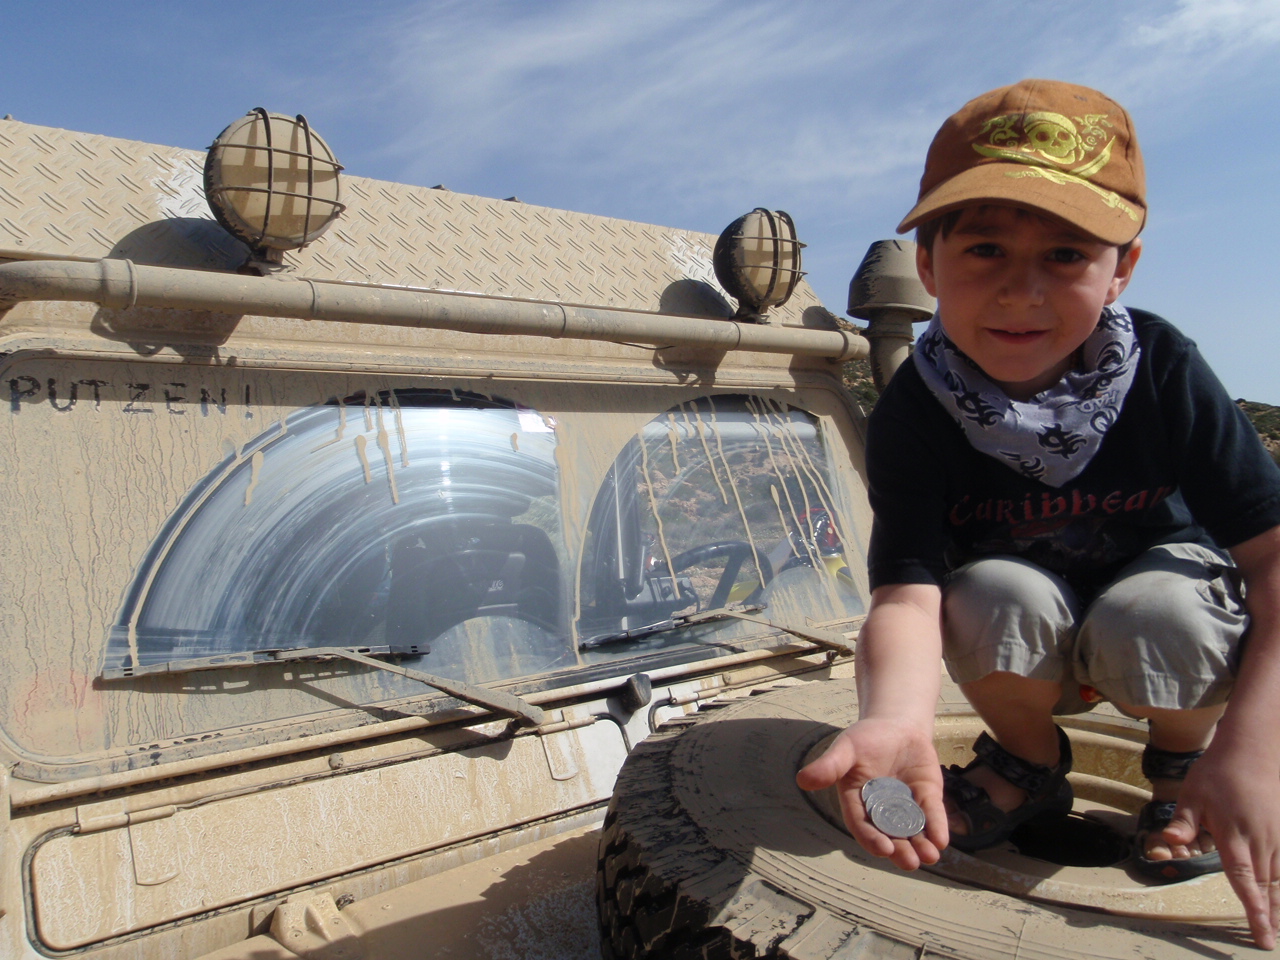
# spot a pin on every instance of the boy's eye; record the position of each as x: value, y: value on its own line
x: 985, y: 250
x: 1066, y: 255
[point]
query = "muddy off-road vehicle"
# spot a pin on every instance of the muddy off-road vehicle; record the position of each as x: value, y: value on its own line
x: 365, y: 540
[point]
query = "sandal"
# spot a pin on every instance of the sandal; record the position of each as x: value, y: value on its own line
x: 1048, y: 792
x: 1154, y: 816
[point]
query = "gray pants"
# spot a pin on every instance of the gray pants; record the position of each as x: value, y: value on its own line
x: 1165, y: 633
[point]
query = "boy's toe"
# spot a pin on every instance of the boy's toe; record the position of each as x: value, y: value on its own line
x: 1162, y: 861
x: 1200, y: 845
x: 1157, y: 848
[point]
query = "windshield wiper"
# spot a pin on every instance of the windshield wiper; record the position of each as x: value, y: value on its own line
x: 827, y: 639
x: 663, y: 626
x: 506, y: 704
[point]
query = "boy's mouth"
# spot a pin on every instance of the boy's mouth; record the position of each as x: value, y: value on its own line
x: 1017, y: 336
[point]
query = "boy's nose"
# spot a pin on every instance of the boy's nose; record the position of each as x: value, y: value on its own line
x: 1021, y: 286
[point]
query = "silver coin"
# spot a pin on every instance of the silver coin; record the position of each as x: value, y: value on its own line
x: 884, y: 787
x: 896, y: 816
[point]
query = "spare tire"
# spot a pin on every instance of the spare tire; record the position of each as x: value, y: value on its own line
x: 710, y: 850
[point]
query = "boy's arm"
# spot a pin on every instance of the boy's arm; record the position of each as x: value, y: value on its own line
x: 899, y: 660
x: 1233, y: 791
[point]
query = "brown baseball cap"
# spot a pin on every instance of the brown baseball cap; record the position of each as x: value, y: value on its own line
x: 1064, y: 149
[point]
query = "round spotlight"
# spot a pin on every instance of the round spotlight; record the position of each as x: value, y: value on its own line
x: 757, y: 261
x: 273, y: 183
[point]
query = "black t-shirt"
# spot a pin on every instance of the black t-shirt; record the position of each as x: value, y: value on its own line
x: 1181, y: 464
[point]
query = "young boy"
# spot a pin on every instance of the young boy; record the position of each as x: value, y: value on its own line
x: 1066, y: 502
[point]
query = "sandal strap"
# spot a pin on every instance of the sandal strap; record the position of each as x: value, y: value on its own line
x: 962, y: 790
x: 984, y: 818
x: 1160, y: 764
x: 1155, y: 815
x: 1034, y: 778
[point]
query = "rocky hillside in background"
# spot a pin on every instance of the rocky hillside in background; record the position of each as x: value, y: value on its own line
x: 857, y: 378
x: 1265, y: 418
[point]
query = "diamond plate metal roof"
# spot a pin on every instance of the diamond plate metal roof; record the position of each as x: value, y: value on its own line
x: 65, y: 194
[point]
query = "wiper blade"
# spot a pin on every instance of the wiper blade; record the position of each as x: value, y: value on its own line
x: 827, y: 639
x: 247, y: 658
x: 664, y: 626
x: 496, y: 700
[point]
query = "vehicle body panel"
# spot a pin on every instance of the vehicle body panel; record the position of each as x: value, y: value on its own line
x: 177, y: 814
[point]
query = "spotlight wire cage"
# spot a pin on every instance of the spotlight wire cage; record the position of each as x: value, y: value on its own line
x: 757, y: 261
x: 274, y: 189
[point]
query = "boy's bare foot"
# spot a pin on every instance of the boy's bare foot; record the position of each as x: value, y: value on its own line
x: 1156, y: 848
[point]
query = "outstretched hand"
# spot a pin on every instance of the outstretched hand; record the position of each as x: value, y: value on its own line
x: 1241, y: 811
x: 884, y: 748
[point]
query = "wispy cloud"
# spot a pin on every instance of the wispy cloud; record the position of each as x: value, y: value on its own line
x: 1225, y: 25
x: 714, y: 98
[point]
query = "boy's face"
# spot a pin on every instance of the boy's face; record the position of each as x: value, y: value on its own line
x: 1019, y: 292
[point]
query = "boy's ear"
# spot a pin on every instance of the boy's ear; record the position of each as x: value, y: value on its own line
x: 924, y: 267
x: 1124, y: 270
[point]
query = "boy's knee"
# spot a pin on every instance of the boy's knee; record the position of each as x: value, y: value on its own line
x: 1166, y: 604
x: 983, y: 587
x: 1156, y: 605
x: 1165, y: 637
x: 1005, y: 614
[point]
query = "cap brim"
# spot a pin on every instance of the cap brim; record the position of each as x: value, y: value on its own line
x: 1098, y: 212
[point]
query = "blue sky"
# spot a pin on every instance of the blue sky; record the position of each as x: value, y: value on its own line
x: 689, y: 113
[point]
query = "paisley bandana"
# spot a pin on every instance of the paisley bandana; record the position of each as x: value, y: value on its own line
x: 1055, y: 435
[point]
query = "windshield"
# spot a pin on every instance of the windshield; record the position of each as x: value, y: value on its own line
x: 724, y: 500
x: 447, y: 512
